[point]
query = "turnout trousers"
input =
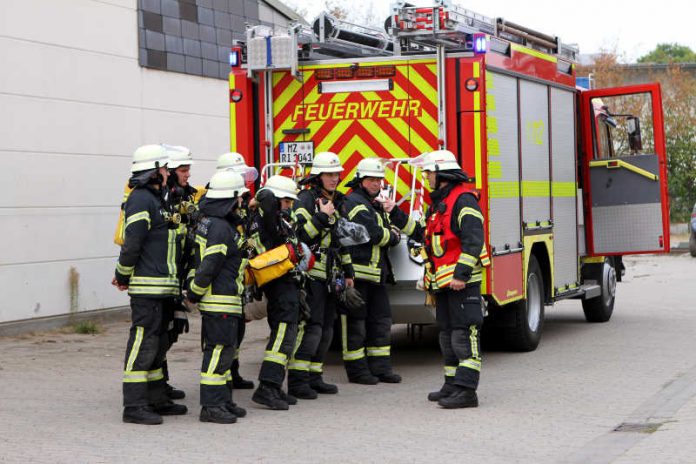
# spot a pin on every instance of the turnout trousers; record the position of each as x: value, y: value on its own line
x: 459, y: 318
x: 148, y: 342
x: 283, y: 314
x: 314, y: 336
x: 219, y: 342
x: 366, y: 333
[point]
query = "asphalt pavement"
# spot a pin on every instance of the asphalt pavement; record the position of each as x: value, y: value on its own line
x: 623, y: 392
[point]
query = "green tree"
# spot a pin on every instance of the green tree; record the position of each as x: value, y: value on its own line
x: 669, y: 53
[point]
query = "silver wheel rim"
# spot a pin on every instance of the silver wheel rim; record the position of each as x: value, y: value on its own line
x: 533, y: 302
x: 608, y: 283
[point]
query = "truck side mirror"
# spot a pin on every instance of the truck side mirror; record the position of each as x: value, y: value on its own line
x: 635, y: 142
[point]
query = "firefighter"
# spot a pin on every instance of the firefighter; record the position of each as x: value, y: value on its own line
x: 317, y: 212
x: 182, y: 199
x: 235, y: 162
x: 147, y: 268
x: 456, y: 256
x: 217, y: 287
x: 270, y: 227
x: 367, y: 332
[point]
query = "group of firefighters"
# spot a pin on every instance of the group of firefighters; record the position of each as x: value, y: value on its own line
x: 182, y: 247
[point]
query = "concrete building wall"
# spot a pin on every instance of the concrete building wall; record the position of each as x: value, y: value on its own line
x: 74, y: 104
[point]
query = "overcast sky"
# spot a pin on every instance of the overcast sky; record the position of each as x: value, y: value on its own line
x: 633, y: 28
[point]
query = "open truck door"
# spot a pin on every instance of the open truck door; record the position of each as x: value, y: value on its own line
x: 624, y: 171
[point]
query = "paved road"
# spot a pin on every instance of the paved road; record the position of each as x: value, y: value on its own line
x: 61, y: 395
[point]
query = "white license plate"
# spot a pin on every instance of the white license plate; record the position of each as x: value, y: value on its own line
x: 292, y: 152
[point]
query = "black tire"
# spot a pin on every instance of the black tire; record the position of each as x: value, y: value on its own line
x: 692, y: 244
x: 527, y: 325
x: 600, y: 308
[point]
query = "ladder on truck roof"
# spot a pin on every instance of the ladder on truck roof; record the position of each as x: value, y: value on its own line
x: 411, y: 29
x: 452, y: 26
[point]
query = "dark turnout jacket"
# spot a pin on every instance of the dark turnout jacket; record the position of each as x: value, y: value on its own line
x: 148, y: 262
x: 218, y: 279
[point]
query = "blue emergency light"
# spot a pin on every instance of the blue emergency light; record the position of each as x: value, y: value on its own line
x: 234, y: 58
x: 480, y: 45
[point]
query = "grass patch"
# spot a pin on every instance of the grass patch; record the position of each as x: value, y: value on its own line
x: 87, y: 328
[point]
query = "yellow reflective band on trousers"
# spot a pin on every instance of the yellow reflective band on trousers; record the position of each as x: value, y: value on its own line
x: 298, y: 365
x: 349, y: 355
x: 274, y: 355
x: 134, y: 376
x: 157, y: 374
x: 473, y: 338
x: 378, y: 350
x: 450, y: 371
x: 473, y: 364
x: 294, y: 364
x: 316, y: 367
x: 209, y: 377
x: 135, y: 349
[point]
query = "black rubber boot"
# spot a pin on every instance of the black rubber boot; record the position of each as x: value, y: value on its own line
x: 268, y: 395
x: 217, y: 415
x: 174, y: 393
x: 291, y: 400
x: 298, y: 385
x: 446, y: 390
x: 141, y: 415
x: 389, y: 378
x: 235, y: 409
x: 365, y: 379
x: 303, y: 392
x: 170, y: 408
x: 317, y: 384
x: 238, y: 381
x: 462, y: 398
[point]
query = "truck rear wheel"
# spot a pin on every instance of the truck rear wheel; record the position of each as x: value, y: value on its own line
x: 600, y: 308
x: 525, y: 332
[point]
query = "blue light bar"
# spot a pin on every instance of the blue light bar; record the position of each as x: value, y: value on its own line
x: 480, y: 45
x: 234, y: 58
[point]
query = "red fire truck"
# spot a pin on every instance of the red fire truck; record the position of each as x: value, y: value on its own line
x: 569, y: 180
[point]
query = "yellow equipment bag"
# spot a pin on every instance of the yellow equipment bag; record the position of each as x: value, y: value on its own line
x: 272, y: 264
x: 120, y: 233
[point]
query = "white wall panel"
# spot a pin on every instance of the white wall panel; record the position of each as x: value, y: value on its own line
x: 32, y: 235
x: 31, y: 68
x: 52, y: 180
x: 55, y: 126
x: 41, y: 290
x: 80, y: 24
x: 74, y: 104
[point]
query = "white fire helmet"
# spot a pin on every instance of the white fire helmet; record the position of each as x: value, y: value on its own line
x: 226, y: 184
x: 282, y: 187
x: 148, y: 157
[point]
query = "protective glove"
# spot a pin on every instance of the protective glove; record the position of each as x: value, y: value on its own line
x: 351, y: 300
x: 395, y: 236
